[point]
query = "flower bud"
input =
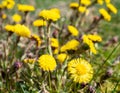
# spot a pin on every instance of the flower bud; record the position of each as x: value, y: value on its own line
x: 109, y: 72
x: 91, y: 89
x: 55, y: 33
x: 17, y: 65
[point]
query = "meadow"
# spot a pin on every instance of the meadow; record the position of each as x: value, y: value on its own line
x: 59, y: 46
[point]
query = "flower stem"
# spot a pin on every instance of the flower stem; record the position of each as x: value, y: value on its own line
x: 49, y: 76
x: 48, y: 39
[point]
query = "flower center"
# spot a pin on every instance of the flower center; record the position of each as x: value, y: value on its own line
x: 81, y: 69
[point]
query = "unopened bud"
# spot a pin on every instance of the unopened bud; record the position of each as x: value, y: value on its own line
x: 91, y: 89
x: 83, y: 85
x: 17, y: 65
x: 55, y: 33
x: 109, y: 72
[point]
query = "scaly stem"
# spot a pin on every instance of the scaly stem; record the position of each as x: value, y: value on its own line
x: 49, y: 76
x: 48, y: 39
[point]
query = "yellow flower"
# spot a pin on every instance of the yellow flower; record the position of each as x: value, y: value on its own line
x: 56, y: 50
x: 55, y: 45
x: 25, y: 8
x: 70, y: 45
x: 81, y: 71
x: 9, y: 4
x: 74, y: 5
x: 1, y: 6
x: 55, y: 10
x: 89, y: 39
x: 100, y: 2
x: 9, y: 28
x: 82, y: 9
x: 51, y: 14
x: 94, y: 37
x: 89, y: 42
x: 62, y: 57
x: 16, y: 18
x: 29, y: 60
x: 39, y: 23
x: 47, y: 62
x: 22, y: 30
x: 73, y: 30
x: 107, y: 1
x: 85, y: 2
x: 37, y: 39
x: 4, y: 16
x: 105, y: 14
x: 112, y: 8
x: 54, y: 42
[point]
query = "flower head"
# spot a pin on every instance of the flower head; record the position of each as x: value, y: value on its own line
x: 82, y: 9
x: 1, y: 6
x: 107, y: 1
x: 62, y: 57
x: 22, y: 30
x: 94, y: 37
x: 86, y: 2
x: 47, y: 62
x: 105, y: 14
x: 39, y: 23
x: 9, y: 28
x: 73, y: 30
x: 112, y: 8
x: 54, y: 42
x: 9, y: 4
x: 81, y: 71
x: 29, y: 60
x: 36, y: 38
x: 89, y: 39
x: 4, y: 16
x: 16, y: 18
x: 100, y: 2
x: 70, y: 45
x: 52, y: 14
x: 74, y: 5
x: 25, y: 8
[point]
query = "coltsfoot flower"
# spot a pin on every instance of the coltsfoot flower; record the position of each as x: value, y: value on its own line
x: 80, y: 70
x: 54, y: 42
x: 74, y: 5
x: 47, y: 62
x: 16, y: 18
x: 22, y: 30
x: 37, y: 39
x: 9, y: 4
x: 29, y: 60
x: 105, y: 14
x: 9, y: 28
x: 90, y: 39
x: 39, y: 23
x: 107, y: 1
x: 4, y: 16
x: 82, y: 9
x: 25, y: 8
x: 73, y: 30
x: 62, y: 57
x: 70, y: 45
x: 100, y: 2
x: 85, y: 2
x: 52, y: 14
x: 94, y: 37
x: 112, y: 8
